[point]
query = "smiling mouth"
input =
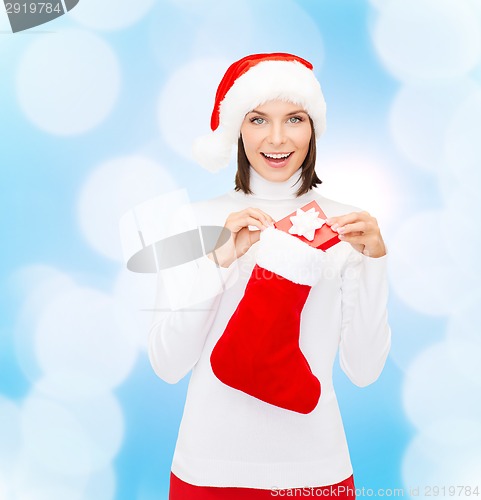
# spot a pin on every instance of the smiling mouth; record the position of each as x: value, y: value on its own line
x: 276, y: 156
x: 277, y: 160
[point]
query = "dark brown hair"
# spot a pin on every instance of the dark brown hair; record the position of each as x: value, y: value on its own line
x: 308, y: 177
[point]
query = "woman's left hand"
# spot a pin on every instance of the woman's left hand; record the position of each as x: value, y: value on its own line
x: 361, y: 230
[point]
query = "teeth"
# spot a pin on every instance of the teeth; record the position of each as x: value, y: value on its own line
x: 276, y: 156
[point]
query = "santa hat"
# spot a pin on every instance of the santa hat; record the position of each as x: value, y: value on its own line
x: 250, y: 82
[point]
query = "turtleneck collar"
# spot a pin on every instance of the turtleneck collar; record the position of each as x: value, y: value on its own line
x: 268, y: 190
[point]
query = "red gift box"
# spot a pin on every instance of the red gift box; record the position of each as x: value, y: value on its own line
x: 324, y: 237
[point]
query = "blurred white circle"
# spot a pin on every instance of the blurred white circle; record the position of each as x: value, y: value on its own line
x: 54, y: 437
x: 194, y: 5
x: 4, y: 489
x: 427, y: 39
x: 420, y: 116
x: 429, y: 464
x: 102, y: 419
x: 467, y: 474
x: 464, y: 323
x: 50, y: 491
x: 110, y: 14
x: 171, y: 27
x: 34, y: 480
x: 360, y: 181
x: 463, y: 148
x: 243, y: 29
x: 379, y: 4
x: 73, y: 439
x: 38, y: 283
x: 77, y: 333
x: 231, y: 22
x: 68, y: 385
x: 270, y: 36
x: 463, y: 212
x: 134, y: 298
x: 112, y: 189
x: 35, y: 285
x: 4, y: 22
x: 196, y: 29
x: 10, y: 435
x: 101, y: 484
x: 68, y: 82
x: 184, y: 109
x: 419, y: 466
x: 423, y: 273
x: 435, y: 390
x: 465, y: 356
x: 405, y: 347
x: 6, y: 42
x: 456, y: 432
x: 476, y: 6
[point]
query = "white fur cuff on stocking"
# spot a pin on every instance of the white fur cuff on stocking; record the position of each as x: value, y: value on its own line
x: 288, y: 256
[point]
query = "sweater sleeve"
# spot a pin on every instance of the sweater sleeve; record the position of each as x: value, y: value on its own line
x: 186, y: 304
x: 365, y: 333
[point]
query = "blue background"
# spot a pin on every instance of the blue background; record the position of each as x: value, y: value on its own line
x: 45, y: 173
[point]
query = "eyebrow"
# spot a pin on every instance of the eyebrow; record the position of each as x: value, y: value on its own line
x: 288, y: 114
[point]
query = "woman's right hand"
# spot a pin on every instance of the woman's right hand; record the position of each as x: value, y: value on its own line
x: 241, y: 238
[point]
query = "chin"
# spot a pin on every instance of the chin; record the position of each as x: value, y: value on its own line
x: 280, y: 175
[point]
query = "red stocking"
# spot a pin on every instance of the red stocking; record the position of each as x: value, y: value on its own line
x: 259, y: 353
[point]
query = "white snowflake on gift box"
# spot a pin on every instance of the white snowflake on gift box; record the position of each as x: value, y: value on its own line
x: 306, y: 223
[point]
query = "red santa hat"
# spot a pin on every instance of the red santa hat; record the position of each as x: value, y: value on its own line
x: 250, y: 82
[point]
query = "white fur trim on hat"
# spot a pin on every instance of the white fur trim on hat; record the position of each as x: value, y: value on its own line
x: 289, y: 81
x: 269, y: 80
x: 289, y: 257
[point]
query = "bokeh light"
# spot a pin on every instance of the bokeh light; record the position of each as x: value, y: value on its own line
x: 430, y: 380
x: 430, y: 463
x: 363, y: 182
x: 420, y: 40
x: 183, y: 109
x: 462, y: 148
x: 134, y: 301
x: 10, y: 437
x: 37, y: 285
x: 110, y: 14
x: 98, y: 112
x: 420, y: 117
x: 424, y: 274
x: 56, y: 88
x: 77, y: 333
x: 110, y: 190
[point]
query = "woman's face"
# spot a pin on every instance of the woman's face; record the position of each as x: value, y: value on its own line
x: 276, y: 139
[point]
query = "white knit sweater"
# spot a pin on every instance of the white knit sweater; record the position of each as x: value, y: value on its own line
x: 226, y: 437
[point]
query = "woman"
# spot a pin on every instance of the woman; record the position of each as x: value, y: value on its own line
x: 253, y: 425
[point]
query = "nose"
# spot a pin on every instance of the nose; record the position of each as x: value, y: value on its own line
x: 277, y: 134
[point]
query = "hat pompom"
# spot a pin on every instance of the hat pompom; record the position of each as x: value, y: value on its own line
x: 213, y: 151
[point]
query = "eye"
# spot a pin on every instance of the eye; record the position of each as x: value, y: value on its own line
x: 295, y: 119
x: 257, y: 120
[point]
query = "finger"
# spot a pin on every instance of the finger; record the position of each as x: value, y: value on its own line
x: 248, y: 217
x: 349, y: 218
x: 252, y: 221
x: 357, y: 227
x: 354, y: 233
x: 264, y: 214
x: 265, y: 218
x: 361, y: 239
